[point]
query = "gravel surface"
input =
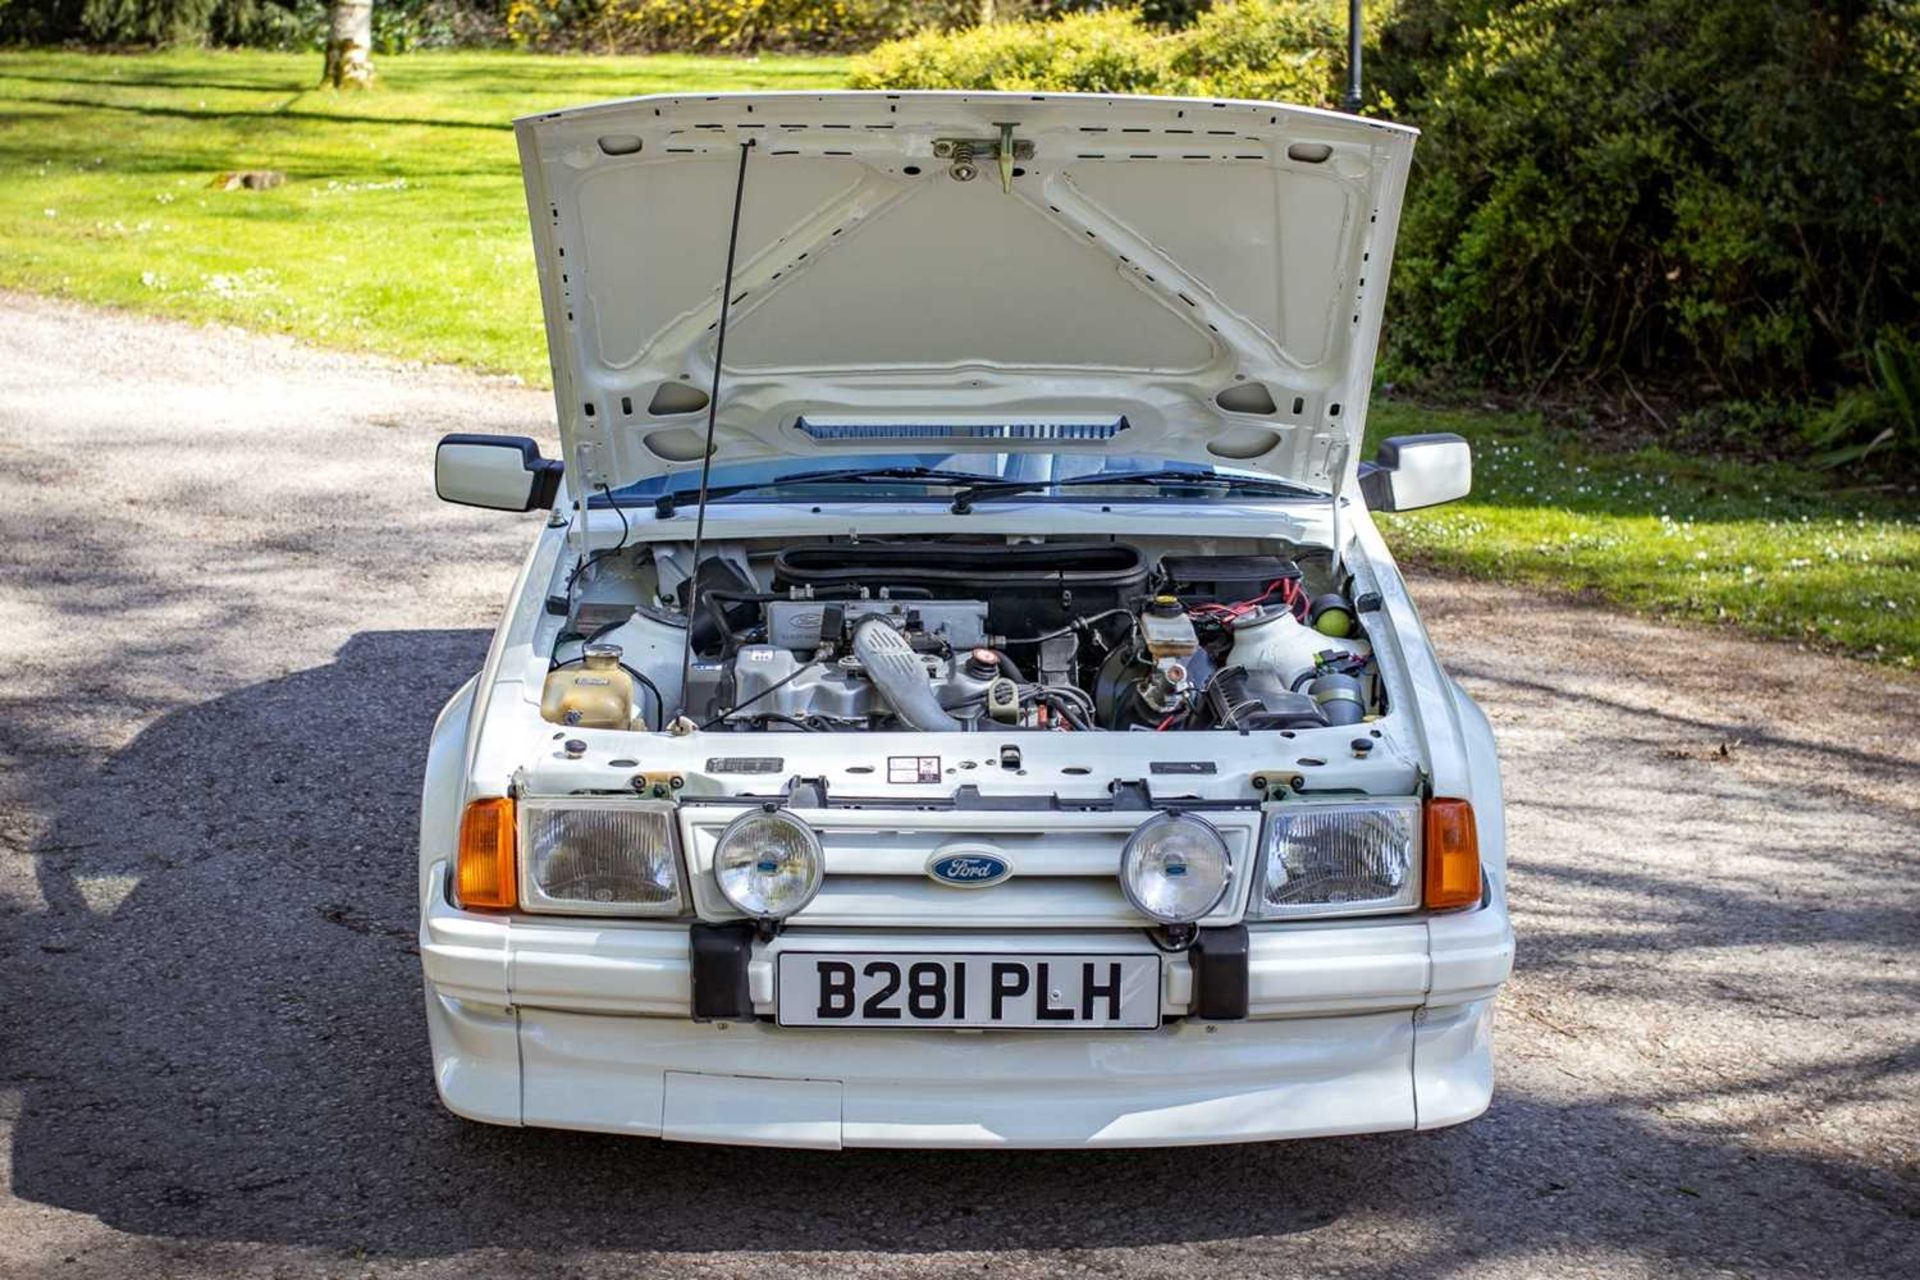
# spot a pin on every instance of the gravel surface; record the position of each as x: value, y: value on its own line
x: 232, y: 609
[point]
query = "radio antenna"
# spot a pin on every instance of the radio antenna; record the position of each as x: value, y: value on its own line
x: 684, y: 724
x: 1353, y: 100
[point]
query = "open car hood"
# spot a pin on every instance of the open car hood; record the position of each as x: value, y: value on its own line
x: 1151, y: 277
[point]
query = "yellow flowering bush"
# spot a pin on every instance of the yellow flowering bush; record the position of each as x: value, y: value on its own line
x: 1105, y: 51
x: 1289, y: 50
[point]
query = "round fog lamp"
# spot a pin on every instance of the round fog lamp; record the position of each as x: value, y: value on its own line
x: 768, y: 864
x: 1175, y: 868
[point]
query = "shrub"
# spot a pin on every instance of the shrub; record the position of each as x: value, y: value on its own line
x: 1099, y: 52
x: 1274, y: 50
x: 404, y: 26
x: 1172, y: 14
x: 267, y: 23
x: 1293, y: 50
x: 398, y: 25
x: 1723, y: 194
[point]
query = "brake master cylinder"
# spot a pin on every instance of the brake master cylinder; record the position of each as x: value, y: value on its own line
x: 1167, y: 630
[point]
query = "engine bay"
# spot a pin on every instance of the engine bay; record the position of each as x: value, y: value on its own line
x: 954, y: 635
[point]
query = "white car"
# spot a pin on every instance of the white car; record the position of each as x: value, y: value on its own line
x: 1029, y: 741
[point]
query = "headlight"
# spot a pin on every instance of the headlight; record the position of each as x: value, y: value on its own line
x: 600, y: 857
x: 1175, y: 868
x: 768, y: 864
x: 1340, y: 859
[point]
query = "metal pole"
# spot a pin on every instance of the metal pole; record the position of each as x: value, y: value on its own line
x: 1352, y: 103
x: 713, y: 414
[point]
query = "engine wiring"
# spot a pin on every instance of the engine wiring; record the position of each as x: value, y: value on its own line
x: 1292, y: 598
x: 1071, y: 704
x: 595, y: 557
x: 1077, y: 626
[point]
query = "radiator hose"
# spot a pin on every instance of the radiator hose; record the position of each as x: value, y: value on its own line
x: 900, y: 676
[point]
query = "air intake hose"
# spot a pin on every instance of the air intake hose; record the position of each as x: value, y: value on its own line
x: 900, y: 676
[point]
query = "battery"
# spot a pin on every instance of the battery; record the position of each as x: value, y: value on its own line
x: 1224, y: 579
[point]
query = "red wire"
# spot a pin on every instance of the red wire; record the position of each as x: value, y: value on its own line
x: 1227, y: 614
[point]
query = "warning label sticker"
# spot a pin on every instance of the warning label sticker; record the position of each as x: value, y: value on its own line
x: 913, y: 768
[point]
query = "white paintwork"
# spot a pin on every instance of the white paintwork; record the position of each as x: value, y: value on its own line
x: 482, y: 476
x: 1186, y: 1084
x: 1430, y: 472
x: 1152, y: 254
x: 1355, y: 1025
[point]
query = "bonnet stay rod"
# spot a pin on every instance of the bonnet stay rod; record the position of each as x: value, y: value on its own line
x: 683, y: 724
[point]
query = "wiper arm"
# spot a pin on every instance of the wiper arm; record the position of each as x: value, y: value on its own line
x: 1274, y: 488
x: 665, y: 505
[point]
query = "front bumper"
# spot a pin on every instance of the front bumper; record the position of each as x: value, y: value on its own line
x: 1352, y: 1027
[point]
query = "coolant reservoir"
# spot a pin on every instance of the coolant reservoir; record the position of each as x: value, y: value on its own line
x: 596, y: 694
x: 1278, y: 643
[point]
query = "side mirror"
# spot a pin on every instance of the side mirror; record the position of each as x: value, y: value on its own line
x: 505, y: 473
x: 1411, y: 472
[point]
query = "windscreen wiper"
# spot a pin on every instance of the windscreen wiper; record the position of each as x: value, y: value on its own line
x: 1257, y: 486
x: 665, y: 504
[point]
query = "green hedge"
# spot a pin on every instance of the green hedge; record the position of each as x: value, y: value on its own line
x: 263, y: 23
x: 1719, y: 195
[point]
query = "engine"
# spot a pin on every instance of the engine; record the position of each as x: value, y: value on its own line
x: 939, y: 636
x: 942, y: 636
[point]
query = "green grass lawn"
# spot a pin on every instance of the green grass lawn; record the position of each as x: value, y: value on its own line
x: 401, y: 227
x: 1771, y: 548
x: 402, y: 230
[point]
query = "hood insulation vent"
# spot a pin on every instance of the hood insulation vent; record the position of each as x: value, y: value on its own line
x: 1036, y: 432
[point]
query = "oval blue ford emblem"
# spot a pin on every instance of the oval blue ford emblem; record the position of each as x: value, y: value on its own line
x: 969, y: 870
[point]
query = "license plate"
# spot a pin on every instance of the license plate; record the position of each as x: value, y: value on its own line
x: 1081, y: 992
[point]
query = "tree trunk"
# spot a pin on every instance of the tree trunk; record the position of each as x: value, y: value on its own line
x: 349, y: 44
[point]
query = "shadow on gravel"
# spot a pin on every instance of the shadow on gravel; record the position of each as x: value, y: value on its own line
x: 219, y: 1037
x: 1883, y: 764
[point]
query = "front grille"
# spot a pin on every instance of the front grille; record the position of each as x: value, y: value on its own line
x: 1065, y: 867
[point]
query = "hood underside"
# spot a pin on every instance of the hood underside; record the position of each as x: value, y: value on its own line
x: 1151, y: 277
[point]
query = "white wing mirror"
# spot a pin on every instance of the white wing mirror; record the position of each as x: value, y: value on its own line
x: 1410, y: 472
x: 505, y: 473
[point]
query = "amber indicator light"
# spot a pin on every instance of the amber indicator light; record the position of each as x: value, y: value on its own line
x: 1453, y: 855
x: 485, y: 873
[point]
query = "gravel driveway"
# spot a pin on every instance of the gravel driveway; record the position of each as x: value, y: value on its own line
x: 231, y: 609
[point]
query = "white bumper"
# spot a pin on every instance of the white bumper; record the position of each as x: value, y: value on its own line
x: 1353, y: 1027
